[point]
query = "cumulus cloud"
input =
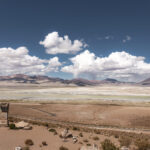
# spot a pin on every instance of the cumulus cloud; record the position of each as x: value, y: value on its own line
x: 14, y: 61
x: 127, y: 38
x: 55, y: 44
x: 118, y: 65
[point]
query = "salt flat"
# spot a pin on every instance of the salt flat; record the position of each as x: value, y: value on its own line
x: 45, y: 93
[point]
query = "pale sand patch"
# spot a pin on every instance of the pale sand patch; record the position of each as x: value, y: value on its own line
x: 9, y: 139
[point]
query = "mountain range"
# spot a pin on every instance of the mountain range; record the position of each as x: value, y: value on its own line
x: 38, y: 79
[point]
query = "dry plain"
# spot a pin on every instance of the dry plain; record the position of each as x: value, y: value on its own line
x: 114, y: 108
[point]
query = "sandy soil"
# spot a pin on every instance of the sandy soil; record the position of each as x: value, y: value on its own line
x: 9, y: 139
x: 107, y: 115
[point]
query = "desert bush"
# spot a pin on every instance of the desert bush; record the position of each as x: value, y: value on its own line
x: 12, y: 126
x: 85, y: 140
x: 88, y: 144
x: 45, y: 124
x: 96, y: 138
x: 125, y: 141
x: 142, y: 144
x: 29, y: 142
x: 63, y: 148
x: 116, y: 136
x: 69, y: 135
x: 75, y: 128
x: 97, y: 132
x: 44, y: 143
x: 52, y: 130
x: 80, y: 134
x: 25, y: 148
x: 108, y: 145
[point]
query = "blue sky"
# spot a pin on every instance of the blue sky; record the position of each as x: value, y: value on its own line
x: 106, y: 26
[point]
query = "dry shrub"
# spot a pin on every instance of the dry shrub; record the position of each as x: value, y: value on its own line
x: 81, y: 134
x: 29, y: 142
x: 25, y: 148
x: 88, y: 144
x: 125, y: 141
x: 96, y: 138
x: 63, y: 148
x: 97, y: 132
x: 12, y: 126
x: 142, y: 144
x: 116, y: 136
x: 85, y: 140
x: 108, y: 145
x: 75, y: 129
x: 52, y: 130
x: 44, y: 143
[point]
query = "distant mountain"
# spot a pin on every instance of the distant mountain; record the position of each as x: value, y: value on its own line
x: 82, y: 82
x: 145, y: 82
x: 21, y: 78
x: 50, y: 81
x: 110, y: 81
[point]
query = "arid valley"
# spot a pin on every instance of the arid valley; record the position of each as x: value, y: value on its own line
x: 107, y: 111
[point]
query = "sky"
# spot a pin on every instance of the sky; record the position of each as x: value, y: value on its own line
x: 93, y: 39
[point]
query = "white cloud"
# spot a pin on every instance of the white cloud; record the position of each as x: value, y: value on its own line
x: 127, y: 38
x: 14, y: 61
x: 55, y: 44
x: 118, y: 65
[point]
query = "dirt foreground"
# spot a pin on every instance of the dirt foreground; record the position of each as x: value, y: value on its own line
x: 9, y: 139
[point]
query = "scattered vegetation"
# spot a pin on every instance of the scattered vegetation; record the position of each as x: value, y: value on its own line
x: 44, y: 143
x: 85, y: 140
x: 88, y: 144
x: 96, y: 131
x: 75, y: 129
x: 142, y: 144
x: 12, y: 126
x: 29, y: 142
x: 52, y: 130
x: 25, y: 148
x: 125, y: 141
x: 96, y: 138
x: 108, y: 145
x: 80, y: 143
x: 63, y: 148
x: 81, y: 134
x: 116, y: 136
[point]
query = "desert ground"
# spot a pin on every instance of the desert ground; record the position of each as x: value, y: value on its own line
x: 9, y: 139
x: 88, y: 114
x: 115, y: 109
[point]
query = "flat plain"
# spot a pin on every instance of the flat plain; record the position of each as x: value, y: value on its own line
x: 117, y: 106
x: 77, y: 94
x: 118, y: 110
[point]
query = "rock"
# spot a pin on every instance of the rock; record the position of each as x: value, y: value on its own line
x: 28, y: 128
x: 94, y: 147
x: 64, y: 133
x: 124, y: 148
x: 69, y: 135
x: 21, y: 124
x: 75, y: 139
x: 18, y: 148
